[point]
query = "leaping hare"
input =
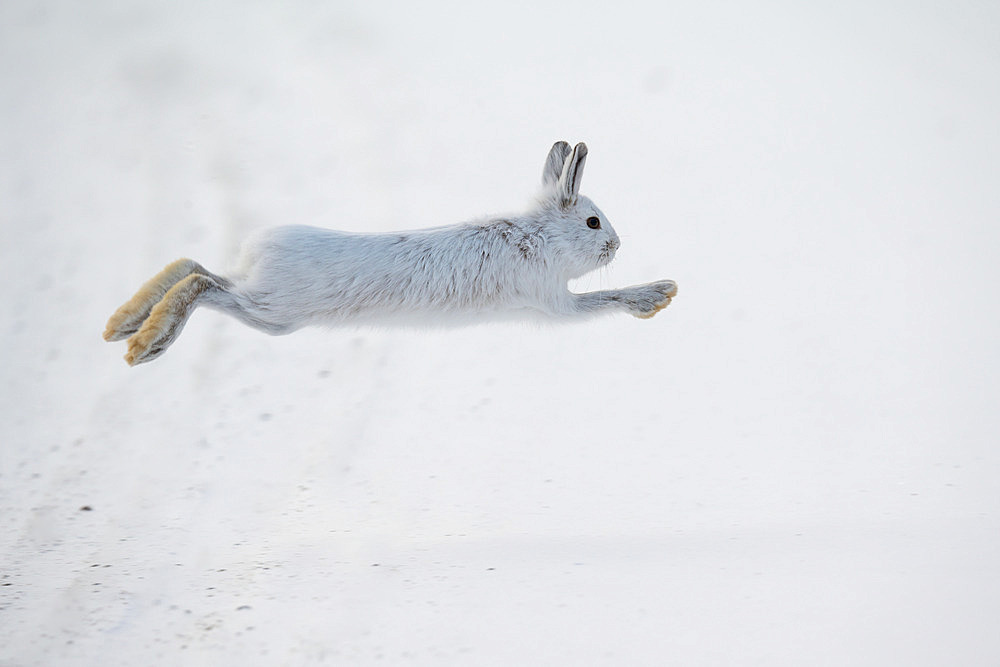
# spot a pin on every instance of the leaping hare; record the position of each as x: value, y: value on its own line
x: 291, y: 277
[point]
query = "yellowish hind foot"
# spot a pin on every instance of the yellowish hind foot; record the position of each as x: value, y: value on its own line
x: 130, y: 316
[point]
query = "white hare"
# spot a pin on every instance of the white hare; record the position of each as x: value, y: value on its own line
x: 290, y: 277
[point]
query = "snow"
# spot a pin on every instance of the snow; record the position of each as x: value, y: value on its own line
x: 795, y: 463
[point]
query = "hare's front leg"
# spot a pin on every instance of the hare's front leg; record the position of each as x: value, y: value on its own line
x: 640, y: 300
x: 130, y: 316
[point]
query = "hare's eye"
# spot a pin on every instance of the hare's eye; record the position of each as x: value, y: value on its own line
x: 594, y: 222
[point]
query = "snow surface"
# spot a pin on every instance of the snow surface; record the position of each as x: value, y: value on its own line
x: 795, y: 463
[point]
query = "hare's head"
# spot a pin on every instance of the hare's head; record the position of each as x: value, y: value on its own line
x: 580, y: 235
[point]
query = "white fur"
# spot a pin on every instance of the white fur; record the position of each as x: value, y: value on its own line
x: 290, y: 277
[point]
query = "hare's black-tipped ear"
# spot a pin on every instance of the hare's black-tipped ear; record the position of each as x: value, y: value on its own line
x: 554, y: 163
x: 569, y: 181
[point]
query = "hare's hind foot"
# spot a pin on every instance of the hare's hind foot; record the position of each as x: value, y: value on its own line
x: 167, y: 319
x: 127, y: 319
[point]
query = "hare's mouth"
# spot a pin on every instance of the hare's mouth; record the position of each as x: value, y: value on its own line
x: 607, y: 252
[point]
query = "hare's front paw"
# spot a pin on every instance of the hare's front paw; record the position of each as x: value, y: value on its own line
x: 652, y: 298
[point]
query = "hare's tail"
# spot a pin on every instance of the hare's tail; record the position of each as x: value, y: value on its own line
x: 155, y: 316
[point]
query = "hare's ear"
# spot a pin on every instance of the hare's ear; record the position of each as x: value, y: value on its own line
x: 554, y: 163
x: 569, y: 181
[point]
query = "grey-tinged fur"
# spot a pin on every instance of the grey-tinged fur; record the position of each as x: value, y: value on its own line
x: 499, y: 268
x: 572, y: 174
x: 554, y: 164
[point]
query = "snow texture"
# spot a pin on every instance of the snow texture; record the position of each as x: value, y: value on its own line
x: 795, y: 463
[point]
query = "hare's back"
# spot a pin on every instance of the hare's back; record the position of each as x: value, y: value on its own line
x: 301, y: 255
x: 311, y: 248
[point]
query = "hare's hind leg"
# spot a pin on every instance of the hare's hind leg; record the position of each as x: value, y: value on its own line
x: 127, y: 319
x: 167, y: 318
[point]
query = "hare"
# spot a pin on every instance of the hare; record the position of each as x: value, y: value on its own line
x: 509, y: 267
